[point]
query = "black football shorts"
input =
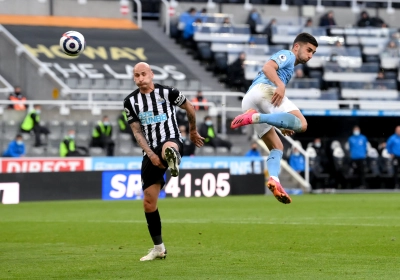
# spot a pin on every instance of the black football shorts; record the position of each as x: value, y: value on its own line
x: 152, y: 174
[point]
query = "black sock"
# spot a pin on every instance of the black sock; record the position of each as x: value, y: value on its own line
x: 154, y: 226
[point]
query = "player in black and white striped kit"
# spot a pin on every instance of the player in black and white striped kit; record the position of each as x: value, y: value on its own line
x: 151, y: 114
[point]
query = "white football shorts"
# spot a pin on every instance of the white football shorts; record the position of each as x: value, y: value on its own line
x: 259, y: 98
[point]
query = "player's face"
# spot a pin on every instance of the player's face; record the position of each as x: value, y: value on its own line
x: 305, y: 52
x: 143, y: 76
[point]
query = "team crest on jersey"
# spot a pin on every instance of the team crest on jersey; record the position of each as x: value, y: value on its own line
x: 160, y: 100
x: 147, y: 118
x: 282, y: 57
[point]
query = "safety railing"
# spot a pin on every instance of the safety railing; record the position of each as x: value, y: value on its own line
x: 139, y: 12
x: 7, y: 86
x: 21, y: 67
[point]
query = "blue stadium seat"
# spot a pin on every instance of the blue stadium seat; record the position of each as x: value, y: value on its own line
x: 204, y: 50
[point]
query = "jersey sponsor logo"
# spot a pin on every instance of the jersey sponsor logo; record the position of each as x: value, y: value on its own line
x: 180, y: 99
x: 127, y: 111
x: 42, y: 165
x: 147, y: 118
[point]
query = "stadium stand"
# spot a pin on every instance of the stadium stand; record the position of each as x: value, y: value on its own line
x: 343, y: 76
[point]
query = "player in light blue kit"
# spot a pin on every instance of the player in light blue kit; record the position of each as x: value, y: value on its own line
x: 265, y: 105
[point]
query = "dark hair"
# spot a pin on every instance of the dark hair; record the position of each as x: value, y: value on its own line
x: 18, y: 136
x: 305, y: 38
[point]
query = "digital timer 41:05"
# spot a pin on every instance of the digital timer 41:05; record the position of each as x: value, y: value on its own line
x: 199, y: 182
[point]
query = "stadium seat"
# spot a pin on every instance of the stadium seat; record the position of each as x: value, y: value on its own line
x: 315, y: 74
x: 221, y: 62
x: 53, y: 152
x: 207, y: 151
x: 99, y: 84
x: 127, y: 84
x: 125, y: 143
x: 97, y: 152
x: 222, y: 151
x: 204, y: 50
x: 72, y: 82
x: 194, y: 85
x: 84, y: 83
x: 69, y: 124
x: 36, y: 152
x: 343, y: 172
x: 26, y: 136
x: 236, y: 151
x: 318, y: 177
x: 112, y: 84
x: 100, y: 97
x: 386, y: 169
x: 56, y: 129
x: 136, y: 151
x: 373, y: 171
x: 54, y: 143
x: 181, y: 85
x: 11, y: 127
x: 122, y: 152
x: 83, y: 130
x: 124, y: 137
x: 79, y: 96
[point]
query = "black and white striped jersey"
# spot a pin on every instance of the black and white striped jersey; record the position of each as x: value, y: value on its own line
x: 156, y: 113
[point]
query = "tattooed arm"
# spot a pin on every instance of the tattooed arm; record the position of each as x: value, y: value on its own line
x: 142, y: 142
x: 191, y: 114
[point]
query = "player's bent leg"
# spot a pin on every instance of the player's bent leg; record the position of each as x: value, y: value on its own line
x: 280, y: 120
x: 274, y: 144
x: 153, y: 223
x: 151, y: 197
x: 302, y: 119
x: 171, y: 155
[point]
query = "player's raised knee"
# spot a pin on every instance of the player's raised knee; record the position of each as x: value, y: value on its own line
x: 304, y: 126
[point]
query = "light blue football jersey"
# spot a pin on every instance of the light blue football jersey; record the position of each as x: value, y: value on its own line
x: 285, y: 60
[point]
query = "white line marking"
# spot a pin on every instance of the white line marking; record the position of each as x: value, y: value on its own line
x: 208, y: 221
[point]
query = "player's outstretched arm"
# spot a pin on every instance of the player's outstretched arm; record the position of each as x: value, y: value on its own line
x: 269, y: 70
x: 141, y: 140
x: 191, y: 114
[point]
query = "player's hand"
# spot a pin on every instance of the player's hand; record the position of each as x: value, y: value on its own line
x: 156, y: 161
x: 196, y: 138
x: 287, y: 132
x: 278, y: 96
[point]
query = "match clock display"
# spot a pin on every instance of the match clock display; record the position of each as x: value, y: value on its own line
x: 199, y: 182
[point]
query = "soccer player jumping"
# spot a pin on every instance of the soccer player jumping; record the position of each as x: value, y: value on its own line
x: 265, y: 105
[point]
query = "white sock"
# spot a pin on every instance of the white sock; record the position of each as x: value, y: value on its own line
x: 275, y: 178
x: 160, y: 248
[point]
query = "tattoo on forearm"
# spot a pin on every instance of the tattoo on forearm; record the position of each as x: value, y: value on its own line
x: 191, y: 114
x: 140, y: 139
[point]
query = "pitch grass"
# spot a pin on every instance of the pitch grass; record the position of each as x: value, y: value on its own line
x: 243, y: 237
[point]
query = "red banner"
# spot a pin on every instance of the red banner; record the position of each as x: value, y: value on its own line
x: 42, y: 165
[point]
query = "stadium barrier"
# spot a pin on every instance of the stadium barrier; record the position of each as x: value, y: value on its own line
x: 237, y: 165
x: 123, y: 185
